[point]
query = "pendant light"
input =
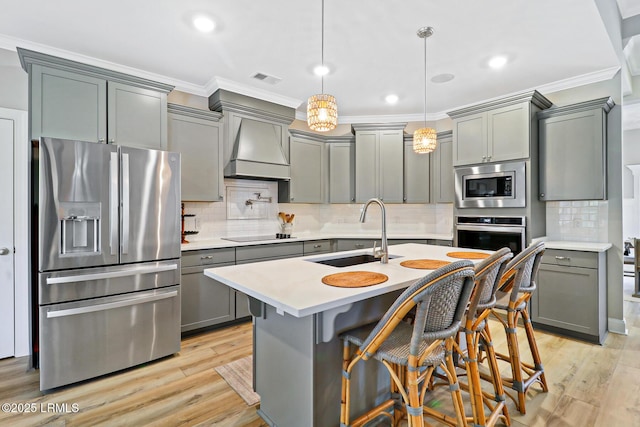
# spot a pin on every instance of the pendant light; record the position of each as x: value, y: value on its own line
x: 425, y: 138
x: 322, y: 109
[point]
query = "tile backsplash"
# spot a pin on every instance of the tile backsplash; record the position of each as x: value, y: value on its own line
x: 235, y: 217
x: 584, y: 221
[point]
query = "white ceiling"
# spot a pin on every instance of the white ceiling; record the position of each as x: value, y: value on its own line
x: 371, y: 46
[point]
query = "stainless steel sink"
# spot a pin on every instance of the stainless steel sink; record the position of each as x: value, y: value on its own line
x: 348, y: 260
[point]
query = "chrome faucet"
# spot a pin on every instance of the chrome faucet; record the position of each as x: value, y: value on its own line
x: 383, y: 252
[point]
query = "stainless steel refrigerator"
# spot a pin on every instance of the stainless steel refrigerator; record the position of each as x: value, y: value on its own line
x: 106, y: 273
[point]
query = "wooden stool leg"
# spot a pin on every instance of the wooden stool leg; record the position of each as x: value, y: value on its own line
x: 496, y: 380
x: 535, y: 354
x: 517, y: 383
x: 346, y: 384
x: 473, y: 375
x: 454, y: 386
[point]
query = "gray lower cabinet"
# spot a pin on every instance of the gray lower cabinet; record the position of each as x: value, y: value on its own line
x: 317, y: 247
x: 71, y: 100
x: 205, y: 302
x: 577, y: 132
x: 571, y: 294
x: 197, y: 136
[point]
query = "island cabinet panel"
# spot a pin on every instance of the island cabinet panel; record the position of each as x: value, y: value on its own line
x: 577, y: 133
x: 297, y: 355
x: 204, y: 301
x: 496, y: 131
x: 197, y: 136
x: 351, y: 244
x: 443, y: 178
x: 571, y: 294
x: 417, y: 173
x: 379, y: 162
x: 341, y: 172
x: 72, y: 100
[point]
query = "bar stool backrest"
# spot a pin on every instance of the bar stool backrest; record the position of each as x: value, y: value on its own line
x: 523, y: 269
x: 440, y: 299
x: 489, y: 272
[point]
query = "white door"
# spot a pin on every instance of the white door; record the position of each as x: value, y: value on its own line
x: 7, y: 339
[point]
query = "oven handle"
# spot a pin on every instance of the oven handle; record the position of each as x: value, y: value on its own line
x: 111, y: 274
x: 499, y: 229
x: 111, y: 305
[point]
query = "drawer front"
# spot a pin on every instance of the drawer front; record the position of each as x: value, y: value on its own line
x: 208, y: 256
x: 275, y: 250
x: 570, y: 258
x: 85, y: 339
x: 317, y: 246
x: 351, y: 244
x: 401, y: 241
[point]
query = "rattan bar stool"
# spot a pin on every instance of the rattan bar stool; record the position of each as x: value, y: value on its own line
x: 488, y: 273
x: 410, y: 353
x: 513, y: 297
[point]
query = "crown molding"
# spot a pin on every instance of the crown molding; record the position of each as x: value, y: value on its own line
x: 196, y: 113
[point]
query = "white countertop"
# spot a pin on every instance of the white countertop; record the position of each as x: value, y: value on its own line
x: 574, y: 245
x: 294, y: 285
x: 220, y: 243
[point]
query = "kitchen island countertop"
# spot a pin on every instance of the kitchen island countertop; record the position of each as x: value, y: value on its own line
x: 294, y: 285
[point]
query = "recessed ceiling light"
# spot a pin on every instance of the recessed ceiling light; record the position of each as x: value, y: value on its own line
x: 498, y: 62
x: 391, y: 98
x: 321, y: 70
x: 442, y: 78
x: 203, y: 24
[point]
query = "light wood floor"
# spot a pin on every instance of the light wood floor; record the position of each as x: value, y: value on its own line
x: 590, y: 385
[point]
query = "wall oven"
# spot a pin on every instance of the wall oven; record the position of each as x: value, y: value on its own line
x: 491, y: 185
x: 491, y: 232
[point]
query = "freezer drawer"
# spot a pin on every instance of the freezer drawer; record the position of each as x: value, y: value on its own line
x: 74, y: 285
x: 86, y: 339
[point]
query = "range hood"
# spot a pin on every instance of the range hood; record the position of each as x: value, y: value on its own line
x: 257, y: 152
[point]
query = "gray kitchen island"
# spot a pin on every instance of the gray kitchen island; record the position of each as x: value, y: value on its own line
x: 297, y: 321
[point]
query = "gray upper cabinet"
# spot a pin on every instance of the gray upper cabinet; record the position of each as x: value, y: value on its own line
x: 443, y: 181
x: 379, y: 162
x: 137, y: 117
x: 309, y: 165
x: 496, y: 131
x: 577, y: 132
x: 197, y: 136
x: 67, y: 105
x: 72, y: 100
x: 416, y: 174
x: 341, y: 172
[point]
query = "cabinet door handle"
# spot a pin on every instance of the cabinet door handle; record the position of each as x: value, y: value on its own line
x: 101, y: 140
x: 206, y: 257
x: 112, y: 141
x: 359, y: 245
x: 563, y: 258
x: 317, y: 246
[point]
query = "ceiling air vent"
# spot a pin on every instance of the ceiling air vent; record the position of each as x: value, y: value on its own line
x: 267, y: 78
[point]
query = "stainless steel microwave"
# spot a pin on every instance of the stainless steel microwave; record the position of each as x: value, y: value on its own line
x: 491, y: 185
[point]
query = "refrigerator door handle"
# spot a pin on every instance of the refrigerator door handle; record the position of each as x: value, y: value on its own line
x: 125, y: 203
x: 110, y: 274
x: 113, y: 203
x: 111, y: 305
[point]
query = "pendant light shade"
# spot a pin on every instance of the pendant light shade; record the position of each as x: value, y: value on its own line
x: 322, y: 109
x: 425, y: 138
x: 322, y: 112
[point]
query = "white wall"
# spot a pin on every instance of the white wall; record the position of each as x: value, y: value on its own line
x: 14, y: 97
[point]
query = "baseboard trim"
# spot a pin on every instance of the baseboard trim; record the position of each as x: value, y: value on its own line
x: 617, y: 326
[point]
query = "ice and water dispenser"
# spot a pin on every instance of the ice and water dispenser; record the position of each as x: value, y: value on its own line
x: 79, y: 228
